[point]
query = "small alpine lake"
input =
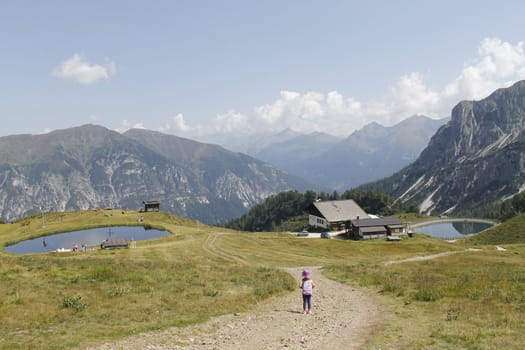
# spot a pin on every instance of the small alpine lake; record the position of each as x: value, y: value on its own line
x: 82, y: 239
x: 452, y: 229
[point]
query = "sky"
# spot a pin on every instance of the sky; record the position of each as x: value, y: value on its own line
x: 201, y: 68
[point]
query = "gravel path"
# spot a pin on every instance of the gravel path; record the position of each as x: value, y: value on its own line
x: 342, y: 318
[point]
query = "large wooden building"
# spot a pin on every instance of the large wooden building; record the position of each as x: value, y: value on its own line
x: 334, y: 215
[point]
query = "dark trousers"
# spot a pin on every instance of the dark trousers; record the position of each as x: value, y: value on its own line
x: 307, y: 302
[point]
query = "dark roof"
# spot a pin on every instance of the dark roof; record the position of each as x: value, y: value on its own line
x: 376, y: 222
x: 115, y: 242
x: 396, y: 226
x: 372, y: 229
x: 337, y: 211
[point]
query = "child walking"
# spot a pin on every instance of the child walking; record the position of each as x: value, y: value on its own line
x: 307, y: 286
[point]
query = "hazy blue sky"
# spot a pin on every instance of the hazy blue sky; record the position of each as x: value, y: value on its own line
x: 194, y: 68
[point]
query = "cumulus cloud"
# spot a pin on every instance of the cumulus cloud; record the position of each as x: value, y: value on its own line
x: 309, y: 112
x: 497, y: 64
x: 76, y: 69
x: 231, y: 122
x: 411, y: 96
x: 178, y: 125
x: 126, y: 125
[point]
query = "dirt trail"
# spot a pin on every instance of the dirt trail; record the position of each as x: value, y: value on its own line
x: 422, y: 258
x: 343, y: 318
x: 435, y: 256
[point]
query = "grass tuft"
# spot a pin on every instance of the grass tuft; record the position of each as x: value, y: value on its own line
x: 74, y: 302
x: 427, y: 293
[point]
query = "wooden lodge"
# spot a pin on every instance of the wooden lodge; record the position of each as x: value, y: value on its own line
x: 334, y: 215
x: 348, y: 216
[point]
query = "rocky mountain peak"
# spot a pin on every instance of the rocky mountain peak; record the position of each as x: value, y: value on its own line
x: 472, y: 162
x: 91, y: 167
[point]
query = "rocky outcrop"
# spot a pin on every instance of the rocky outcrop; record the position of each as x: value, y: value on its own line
x: 473, y: 162
x: 92, y: 167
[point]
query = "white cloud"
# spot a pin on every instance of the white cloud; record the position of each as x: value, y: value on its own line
x: 231, y: 122
x: 178, y: 125
x: 302, y: 112
x: 309, y: 112
x: 497, y: 64
x: 126, y: 125
x: 411, y: 96
x: 45, y: 131
x: 76, y: 69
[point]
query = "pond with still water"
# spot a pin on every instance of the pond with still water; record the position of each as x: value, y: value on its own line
x: 83, y: 238
x: 453, y: 230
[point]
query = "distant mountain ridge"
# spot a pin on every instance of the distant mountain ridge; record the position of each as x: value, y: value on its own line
x: 473, y: 162
x: 368, y: 154
x: 90, y: 166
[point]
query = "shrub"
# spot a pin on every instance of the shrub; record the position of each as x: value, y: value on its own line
x: 74, y: 303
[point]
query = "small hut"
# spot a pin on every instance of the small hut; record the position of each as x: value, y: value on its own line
x: 151, y: 206
x: 115, y: 242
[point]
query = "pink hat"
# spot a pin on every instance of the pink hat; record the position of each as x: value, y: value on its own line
x: 306, y: 273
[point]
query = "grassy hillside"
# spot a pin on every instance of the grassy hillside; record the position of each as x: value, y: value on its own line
x: 471, y: 299
x: 509, y: 232
x: 60, y: 300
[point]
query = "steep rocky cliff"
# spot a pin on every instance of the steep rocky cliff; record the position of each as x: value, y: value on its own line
x: 473, y: 162
x: 90, y: 167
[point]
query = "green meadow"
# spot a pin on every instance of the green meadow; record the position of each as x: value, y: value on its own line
x: 473, y: 298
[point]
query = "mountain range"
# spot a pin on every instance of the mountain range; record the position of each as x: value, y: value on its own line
x: 368, y: 154
x: 91, y: 167
x: 471, y: 164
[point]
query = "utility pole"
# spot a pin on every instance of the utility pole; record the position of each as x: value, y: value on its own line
x: 43, y: 219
